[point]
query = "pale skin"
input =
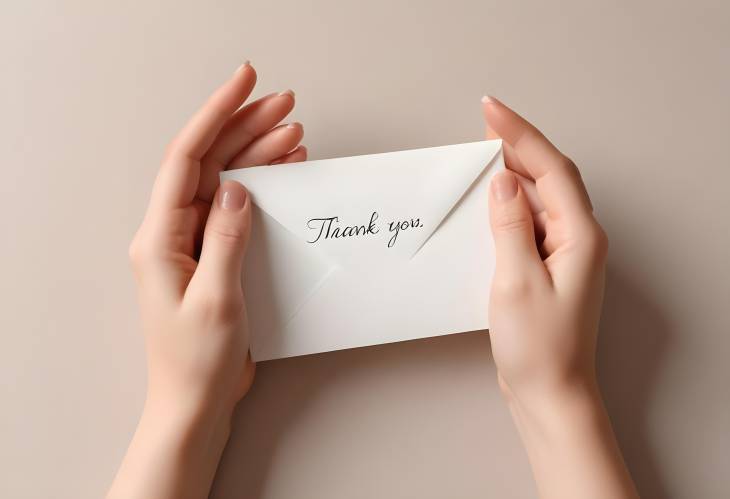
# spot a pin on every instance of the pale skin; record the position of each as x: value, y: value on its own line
x: 187, y: 260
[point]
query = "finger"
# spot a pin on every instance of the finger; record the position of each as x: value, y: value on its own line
x: 268, y: 147
x: 512, y: 161
x: 539, y: 216
x: 558, y: 181
x: 177, y: 181
x: 249, y: 122
x: 512, y: 229
x: 242, y: 129
x: 297, y: 155
x: 225, y: 239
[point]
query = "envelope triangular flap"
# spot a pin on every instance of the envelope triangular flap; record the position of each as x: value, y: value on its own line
x: 414, y: 190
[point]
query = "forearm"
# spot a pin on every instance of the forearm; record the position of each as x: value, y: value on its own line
x: 174, y: 453
x: 571, y: 445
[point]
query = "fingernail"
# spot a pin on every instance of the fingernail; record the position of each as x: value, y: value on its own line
x: 295, y: 124
x: 287, y: 92
x: 232, y: 196
x: 504, y: 186
x: 245, y: 63
x: 488, y: 99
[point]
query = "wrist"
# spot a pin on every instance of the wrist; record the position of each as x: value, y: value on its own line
x: 547, y: 405
x: 547, y: 390
x: 175, y: 450
x: 567, y: 427
x: 550, y: 415
x: 194, y: 420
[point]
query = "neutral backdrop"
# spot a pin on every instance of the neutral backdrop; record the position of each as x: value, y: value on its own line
x: 635, y: 92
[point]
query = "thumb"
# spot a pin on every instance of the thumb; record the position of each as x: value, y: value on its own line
x: 512, y: 228
x: 226, y: 235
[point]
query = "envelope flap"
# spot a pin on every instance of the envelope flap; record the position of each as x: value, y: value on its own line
x: 379, y: 207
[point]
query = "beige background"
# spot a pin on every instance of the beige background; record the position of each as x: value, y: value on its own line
x: 635, y: 92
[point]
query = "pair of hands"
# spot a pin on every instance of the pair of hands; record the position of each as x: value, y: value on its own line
x: 187, y: 254
x: 187, y: 259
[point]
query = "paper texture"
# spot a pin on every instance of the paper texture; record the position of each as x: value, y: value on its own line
x: 369, y: 249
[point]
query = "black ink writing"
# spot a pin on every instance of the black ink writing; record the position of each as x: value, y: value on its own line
x: 330, y: 228
x: 396, y: 227
x: 328, y: 231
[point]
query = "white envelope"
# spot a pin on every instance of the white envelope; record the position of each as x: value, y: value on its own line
x: 324, y: 271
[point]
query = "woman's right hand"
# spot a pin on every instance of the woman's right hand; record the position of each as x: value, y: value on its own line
x: 548, y: 285
x: 544, y: 310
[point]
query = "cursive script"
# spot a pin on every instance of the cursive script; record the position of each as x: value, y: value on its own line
x: 396, y: 227
x: 330, y: 228
x: 325, y: 228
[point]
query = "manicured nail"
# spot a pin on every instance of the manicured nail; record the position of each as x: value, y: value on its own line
x: 488, y: 99
x: 245, y: 63
x: 232, y: 196
x: 504, y: 186
x: 287, y: 92
x: 295, y: 124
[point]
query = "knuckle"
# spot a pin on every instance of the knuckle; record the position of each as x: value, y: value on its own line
x: 512, y: 288
x: 143, y: 253
x: 221, y: 307
x: 571, y: 167
x: 172, y: 149
x: 596, y: 241
x: 573, y: 173
x: 226, y: 234
x: 600, y: 241
x: 572, y: 170
x: 170, y: 162
x: 137, y: 252
x: 510, y: 221
x: 169, y: 151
